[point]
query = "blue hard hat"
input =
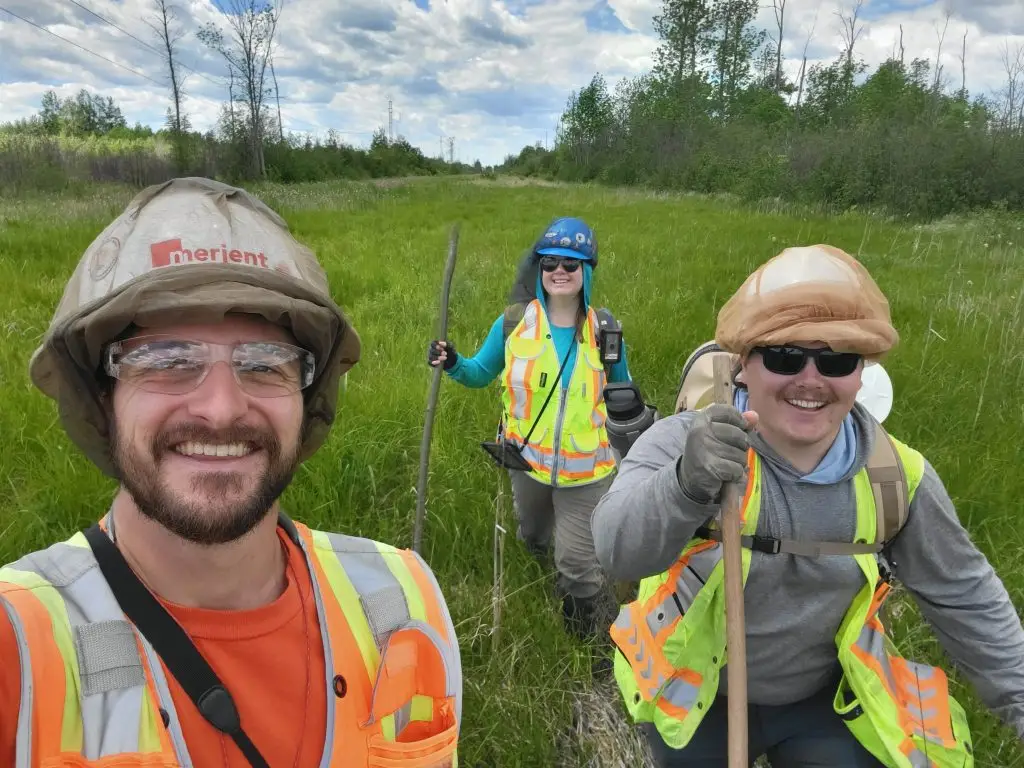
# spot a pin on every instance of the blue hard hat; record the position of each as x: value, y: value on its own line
x: 569, y: 237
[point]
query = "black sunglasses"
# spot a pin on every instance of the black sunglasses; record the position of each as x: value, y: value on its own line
x: 790, y: 360
x: 550, y: 263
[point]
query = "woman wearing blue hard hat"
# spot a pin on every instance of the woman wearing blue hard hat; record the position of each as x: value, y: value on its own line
x: 554, y: 353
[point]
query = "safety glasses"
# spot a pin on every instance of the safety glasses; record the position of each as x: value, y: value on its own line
x: 173, y: 366
x: 550, y: 263
x: 790, y: 360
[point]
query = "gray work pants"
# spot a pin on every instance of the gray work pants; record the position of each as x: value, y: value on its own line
x: 566, y: 512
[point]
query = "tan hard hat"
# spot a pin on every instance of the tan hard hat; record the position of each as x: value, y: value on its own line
x: 189, y: 250
x: 807, y: 294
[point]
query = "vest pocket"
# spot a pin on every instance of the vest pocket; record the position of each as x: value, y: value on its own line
x: 939, y: 738
x: 639, y: 633
x: 526, y: 349
x: 582, y: 461
x: 585, y: 441
x: 846, y: 704
x: 591, y: 355
x: 661, y: 669
x: 419, y: 745
x: 414, y: 703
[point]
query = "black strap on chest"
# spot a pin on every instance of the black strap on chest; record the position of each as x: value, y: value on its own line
x: 773, y: 546
x: 172, y: 644
x: 891, y: 496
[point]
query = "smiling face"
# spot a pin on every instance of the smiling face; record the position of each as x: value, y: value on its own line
x: 561, y: 282
x: 800, y: 414
x: 208, y: 464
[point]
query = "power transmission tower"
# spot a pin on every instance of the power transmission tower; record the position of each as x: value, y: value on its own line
x: 391, y: 132
x: 451, y: 149
x: 440, y: 142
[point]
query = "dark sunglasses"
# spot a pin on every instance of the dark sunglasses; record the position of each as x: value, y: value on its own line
x: 550, y: 263
x: 790, y: 360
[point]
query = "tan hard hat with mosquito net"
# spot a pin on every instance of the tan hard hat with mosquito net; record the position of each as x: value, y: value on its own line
x: 815, y: 293
x: 189, y: 250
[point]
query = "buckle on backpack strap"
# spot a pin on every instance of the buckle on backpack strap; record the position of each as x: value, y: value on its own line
x: 765, y: 544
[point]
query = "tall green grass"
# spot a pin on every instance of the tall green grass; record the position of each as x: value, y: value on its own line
x: 667, y: 264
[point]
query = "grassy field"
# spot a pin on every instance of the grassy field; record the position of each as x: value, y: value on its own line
x: 667, y: 264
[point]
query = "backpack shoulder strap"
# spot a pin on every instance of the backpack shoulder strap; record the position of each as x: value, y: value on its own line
x: 605, y: 318
x: 888, y: 480
x: 605, y: 321
x: 697, y: 379
x: 889, y: 487
x: 511, y: 317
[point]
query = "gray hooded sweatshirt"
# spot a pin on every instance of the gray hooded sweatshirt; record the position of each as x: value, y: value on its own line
x: 794, y: 605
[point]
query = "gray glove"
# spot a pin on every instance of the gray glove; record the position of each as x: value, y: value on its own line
x: 715, y: 453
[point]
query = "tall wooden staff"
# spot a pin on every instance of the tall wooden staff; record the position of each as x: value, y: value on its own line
x: 435, y: 384
x: 735, y: 625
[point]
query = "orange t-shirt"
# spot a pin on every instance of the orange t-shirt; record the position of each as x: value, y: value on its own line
x: 270, y: 660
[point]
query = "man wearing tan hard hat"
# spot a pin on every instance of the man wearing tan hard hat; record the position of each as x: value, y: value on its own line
x: 195, y: 357
x: 833, y: 510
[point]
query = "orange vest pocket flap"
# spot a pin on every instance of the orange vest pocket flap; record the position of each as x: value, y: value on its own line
x: 411, y: 665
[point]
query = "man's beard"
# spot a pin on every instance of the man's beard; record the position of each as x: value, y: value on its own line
x: 219, y: 520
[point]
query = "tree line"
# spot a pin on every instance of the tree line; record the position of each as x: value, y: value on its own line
x: 86, y: 137
x: 718, y: 113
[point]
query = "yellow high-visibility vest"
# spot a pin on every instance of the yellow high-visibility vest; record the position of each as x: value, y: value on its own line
x: 569, y: 444
x: 672, y: 640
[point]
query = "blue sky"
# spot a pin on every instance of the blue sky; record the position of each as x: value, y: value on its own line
x: 493, y: 74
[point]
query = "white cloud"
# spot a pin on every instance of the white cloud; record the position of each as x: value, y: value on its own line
x: 493, y: 74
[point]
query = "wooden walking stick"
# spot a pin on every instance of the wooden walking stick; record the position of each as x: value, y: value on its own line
x: 435, y: 385
x: 735, y: 626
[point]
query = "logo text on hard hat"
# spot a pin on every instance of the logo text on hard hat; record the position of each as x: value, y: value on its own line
x: 168, y: 252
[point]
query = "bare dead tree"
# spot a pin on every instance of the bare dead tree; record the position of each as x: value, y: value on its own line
x: 963, y: 67
x: 231, y: 98
x: 902, y: 51
x: 277, y: 95
x: 779, y: 7
x: 849, y: 30
x: 168, y: 32
x: 803, y: 63
x: 937, y: 80
x: 1013, y: 67
x: 247, y: 47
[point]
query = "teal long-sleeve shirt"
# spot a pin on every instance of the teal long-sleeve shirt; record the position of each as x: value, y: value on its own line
x: 479, y: 370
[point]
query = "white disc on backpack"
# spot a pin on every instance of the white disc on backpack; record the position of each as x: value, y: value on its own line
x: 876, y: 391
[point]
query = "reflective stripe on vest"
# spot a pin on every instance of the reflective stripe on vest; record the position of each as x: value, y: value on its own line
x: 672, y: 647
x: 569, y: 441
x: 389, y: 605
x: 900, y: 711
x: 73, y: 637
x: 96, y: 687
x: 647, y: 630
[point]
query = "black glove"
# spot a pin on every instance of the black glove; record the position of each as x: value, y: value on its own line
x: 438, y: 348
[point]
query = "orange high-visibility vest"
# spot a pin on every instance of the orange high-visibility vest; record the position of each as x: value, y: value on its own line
x: 94, y: 693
